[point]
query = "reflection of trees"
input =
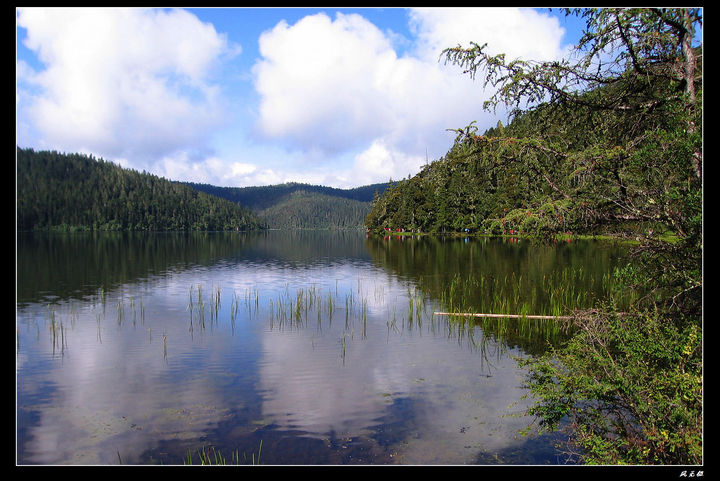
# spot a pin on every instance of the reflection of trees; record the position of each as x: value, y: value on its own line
x: 76, y: 265
x: 284, y: 382
x: 306, y: 247
x: 438, y: 265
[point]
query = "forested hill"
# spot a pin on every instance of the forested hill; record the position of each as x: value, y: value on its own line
x: 312, y: 210
x: 302, y: 206
x: 262, y: 197
x: 599, y: 164
x: 608, y: 141
x: 59, y: 191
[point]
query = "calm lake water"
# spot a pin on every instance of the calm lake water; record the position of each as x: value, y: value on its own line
x: 284, y: 347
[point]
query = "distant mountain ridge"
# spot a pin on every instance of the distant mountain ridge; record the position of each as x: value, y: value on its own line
x: 70, y: 192
x: 259, y: 198
x: 302, y: 206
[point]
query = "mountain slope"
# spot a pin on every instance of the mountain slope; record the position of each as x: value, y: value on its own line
x: 312, y: 210
x: 58, y: 191
x: 262, y: 197
x: 302, y: 206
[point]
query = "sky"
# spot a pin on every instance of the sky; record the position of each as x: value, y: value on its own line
x: 239, y: 97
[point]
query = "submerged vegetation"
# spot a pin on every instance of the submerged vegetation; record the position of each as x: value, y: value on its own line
x: 338, y: 320
x: 532, y: 314
x: 609, y: 143
x: 210, y: 456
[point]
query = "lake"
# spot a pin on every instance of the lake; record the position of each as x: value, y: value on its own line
x: 300, y: 348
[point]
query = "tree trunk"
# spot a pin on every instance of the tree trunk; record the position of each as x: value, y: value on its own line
x: 689, y: 78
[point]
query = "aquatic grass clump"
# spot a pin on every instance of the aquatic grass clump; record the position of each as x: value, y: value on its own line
x: 234, y: 307
x: 211, y: 456
x: 292, y: 310
x: 200, y: 307
x: 215, y: 304
x: 557, y: 293
x: 57, y: 331
x: 529, y: 304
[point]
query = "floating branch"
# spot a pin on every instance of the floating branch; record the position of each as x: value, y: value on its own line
x: 587, y: 314
x: 512, y: 316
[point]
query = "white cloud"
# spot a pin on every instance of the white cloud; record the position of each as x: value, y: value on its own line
x: 217, y: 170
x: 336, y: 105
x: 523, y: 33
x: 337, y: 85
x: 317, y: 77
x: 121, y: 82
x: 380, y: 163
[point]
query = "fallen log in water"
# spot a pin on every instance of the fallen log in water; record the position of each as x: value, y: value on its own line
x: 511, y: 316
x: 583, y: 315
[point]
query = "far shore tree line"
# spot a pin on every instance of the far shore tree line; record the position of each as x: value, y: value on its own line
x: 607, y: 143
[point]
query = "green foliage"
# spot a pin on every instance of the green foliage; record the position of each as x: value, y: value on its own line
x: 302, y: 206
x: 620, y: 141
x: 608, y: 143
x: 312, y: 210
x: 259, y: 198
x: 629, y: 389
x: 69, y: 192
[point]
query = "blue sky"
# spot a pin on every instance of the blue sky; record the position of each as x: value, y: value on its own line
x: 259, y: 96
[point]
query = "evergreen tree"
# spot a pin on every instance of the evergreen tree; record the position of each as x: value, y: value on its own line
x: 631, y: 386
x: 76, y: 192
x: 608, y: 143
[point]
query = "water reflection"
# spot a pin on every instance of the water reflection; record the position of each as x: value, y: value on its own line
x: 452, y: 402
x: 140, y: 349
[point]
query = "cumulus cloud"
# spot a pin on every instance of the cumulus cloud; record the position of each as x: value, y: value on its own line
x: 337, y: 84
x: 380, y: 163
x: 225, y: 171
x: 121, y: 82
x: 517, y: 32
x: 318, y: 77
x: 336, y: 103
